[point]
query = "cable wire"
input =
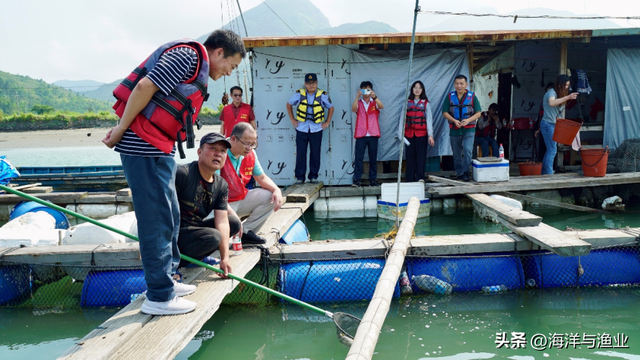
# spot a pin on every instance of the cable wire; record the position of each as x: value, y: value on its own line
x: 531, y: 16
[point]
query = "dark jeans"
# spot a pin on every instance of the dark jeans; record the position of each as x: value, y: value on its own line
x: 462, y: 148
x: 416, y: 158
x: 152, y: 184
x: 484, y: 142
x: 314, y: 141
x: 371, y: 143
x: 200, y: 241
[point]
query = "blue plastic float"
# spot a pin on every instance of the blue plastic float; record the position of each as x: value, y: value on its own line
x: 298, y: 232
x: 62, y: 222
x: 112, y: 288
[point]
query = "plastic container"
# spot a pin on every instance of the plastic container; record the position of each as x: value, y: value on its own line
x: 601, y: 267
x: 31, y: 206
x: 490, y: 171
x: 14, y: 282
x: 501, y: 152
x: 494, y: 289
x: 530, y: 168
x: 236, y: 245
x: 328, y: 281
x: 298, y: 232
x: 565, y: 131
x: 432, y: 284
x: 594, y: 162
x: 470, y: 273
x: 112, y: 288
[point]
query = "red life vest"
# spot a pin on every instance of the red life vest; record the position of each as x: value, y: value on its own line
x: 416, y: 123
x: 238, y: 183
x: 489, y: 130
x: 367, y: 120
x: 230, y: 121
x: 167, y: 118
x: 461, y: 111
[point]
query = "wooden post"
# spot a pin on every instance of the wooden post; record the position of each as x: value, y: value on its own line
x: 366, y: 338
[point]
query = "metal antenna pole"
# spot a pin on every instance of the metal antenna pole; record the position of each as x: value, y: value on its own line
x: 404, y: 112
x: 242, y: 17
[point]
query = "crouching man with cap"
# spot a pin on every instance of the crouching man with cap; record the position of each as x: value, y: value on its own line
x: 205, y: 225
x: 242, y: 164
x: 309, y: 123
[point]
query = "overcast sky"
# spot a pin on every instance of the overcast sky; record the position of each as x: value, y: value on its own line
x: 103, y: 40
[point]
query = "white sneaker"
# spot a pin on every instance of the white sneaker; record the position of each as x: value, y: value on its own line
x: 183, y: 289
x: 175, y: 306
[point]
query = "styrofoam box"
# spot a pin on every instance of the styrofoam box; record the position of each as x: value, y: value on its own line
x: 389, y: 191
x: 490, y: 171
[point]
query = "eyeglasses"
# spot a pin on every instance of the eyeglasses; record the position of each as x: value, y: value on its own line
x: 236, y: 95
x: 248, y: 146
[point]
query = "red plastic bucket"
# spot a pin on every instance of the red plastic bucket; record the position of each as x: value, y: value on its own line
x: 594, y: 162
x: 565, y: 131
x: 530, y: 168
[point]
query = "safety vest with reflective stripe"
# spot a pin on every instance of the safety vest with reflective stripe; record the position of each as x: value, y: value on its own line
x: 318, y: 110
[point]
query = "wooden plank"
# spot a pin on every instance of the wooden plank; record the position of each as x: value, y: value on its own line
x: 604, y: 237
x: 368, y: 332
x: 302, y: 192
x: 350, y: 191
x: 56, y: 198
x: 124, y: 192
x: 549, y: 182
x: 38, y: 190
x: 549, y: 238
x: 443, y: 180
x: 533, y: 199
x: 23, y: 187
x: 82, y: 254
x: 513, y: 215
x: 131, y: 334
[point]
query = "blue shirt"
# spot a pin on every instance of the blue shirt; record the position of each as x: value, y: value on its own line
x: 310, y: 126
x: 551, y: 113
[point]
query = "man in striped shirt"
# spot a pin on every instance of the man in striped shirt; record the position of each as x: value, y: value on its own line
x: 150, y: 172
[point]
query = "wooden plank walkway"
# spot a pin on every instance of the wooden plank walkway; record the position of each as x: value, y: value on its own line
x: 126, y: 254
x: 132, y: 335
x: 543, y: 182
x: 440, y: 245
x: 509, y: 213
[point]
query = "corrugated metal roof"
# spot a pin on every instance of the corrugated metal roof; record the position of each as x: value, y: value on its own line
x: 429, y: 37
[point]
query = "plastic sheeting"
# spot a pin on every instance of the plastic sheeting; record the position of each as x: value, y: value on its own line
x: 278, y: 73
x: 622, y: 120
x: 388, y: 73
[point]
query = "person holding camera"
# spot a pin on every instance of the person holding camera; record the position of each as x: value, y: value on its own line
x: 418, y: 131
x: 367, y: 107
x: 486, y: 128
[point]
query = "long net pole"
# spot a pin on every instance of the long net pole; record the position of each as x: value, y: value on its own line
x: 404, y: 112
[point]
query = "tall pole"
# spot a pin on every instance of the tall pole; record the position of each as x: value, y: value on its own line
x: 404, y: 112
x: 246, y: 33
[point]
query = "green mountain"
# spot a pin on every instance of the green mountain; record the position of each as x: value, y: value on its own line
x: 21, y: 93
x: 104, y: 92
x: 79, y: 85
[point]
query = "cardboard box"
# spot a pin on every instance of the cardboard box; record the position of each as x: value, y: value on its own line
x: 490, y: 171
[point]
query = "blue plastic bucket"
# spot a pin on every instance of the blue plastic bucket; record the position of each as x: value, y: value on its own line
x: 328, y: 281
x: 31, y: 206
x: 601, y: 267
x: 14, y: 282
x: 298, y: 232
x: 112, y: 288
x: 470, y: 273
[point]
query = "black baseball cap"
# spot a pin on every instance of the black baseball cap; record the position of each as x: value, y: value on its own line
x: 214, y: 137
x: 310, y: 77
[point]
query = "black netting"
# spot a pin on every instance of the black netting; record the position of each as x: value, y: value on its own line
x: 331, y: 281
x: 67, y: 286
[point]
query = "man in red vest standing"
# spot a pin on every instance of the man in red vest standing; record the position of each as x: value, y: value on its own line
x: 236, y: 112
x: 367, y: 107
x: 146, y: 137
x: 242, y: 164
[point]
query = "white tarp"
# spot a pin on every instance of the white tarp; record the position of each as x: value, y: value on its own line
x: 388, y: 73
x: 622, y: 120
x: 278, y: 73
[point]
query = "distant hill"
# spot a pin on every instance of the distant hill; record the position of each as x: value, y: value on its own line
x: 20, y: 93
x: 79, y: 85
x: 369, y: 27
x: 104, y: 92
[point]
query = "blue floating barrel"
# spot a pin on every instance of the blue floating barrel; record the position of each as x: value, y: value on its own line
x: 31, y: 206
x: 14, y: 282
x: 601, y: 267
x: 112, y: 288
x: 298, y: 232
x: 470, y: 273
x: 328, y: 281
